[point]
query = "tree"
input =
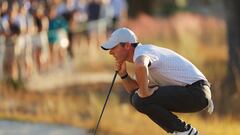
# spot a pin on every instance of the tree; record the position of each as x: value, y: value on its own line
x: 151, y: 7
x: 233, y: 34
x: 231, y: 85
x: 138, y: 6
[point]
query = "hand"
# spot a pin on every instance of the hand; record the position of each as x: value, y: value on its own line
x: 147, y: 93
x: 121, y: 68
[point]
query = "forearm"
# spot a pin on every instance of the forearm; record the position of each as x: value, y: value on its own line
x: 130, y: 84
x: 141, y: 72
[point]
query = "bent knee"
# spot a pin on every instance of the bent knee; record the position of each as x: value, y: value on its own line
x: 139, y: 103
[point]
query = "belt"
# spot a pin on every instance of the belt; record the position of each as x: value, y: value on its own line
x: 200, y: 83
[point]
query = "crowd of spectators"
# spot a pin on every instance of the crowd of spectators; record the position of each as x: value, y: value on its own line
x: 36, y: 35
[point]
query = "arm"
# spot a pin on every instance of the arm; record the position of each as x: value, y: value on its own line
x: 129, y: 83
x: 141, y: 71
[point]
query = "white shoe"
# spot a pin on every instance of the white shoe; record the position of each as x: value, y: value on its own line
x: 191, y: 131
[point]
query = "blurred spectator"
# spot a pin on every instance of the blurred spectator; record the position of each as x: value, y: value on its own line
x: 35, y: 34
x: 93, y: 11
x: 105, y: 20
x: 67, y: 9
x: 2, y: 50
x: 11, y: 30
x: 120, y: 12
x: 78, y: 26
x: 57, y: 30
x: 2, y: 42
x: 4, y: 8
x: 42, y: 51
x: 24, y: 44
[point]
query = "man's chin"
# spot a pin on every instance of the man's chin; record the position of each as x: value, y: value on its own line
x: 118, y: 61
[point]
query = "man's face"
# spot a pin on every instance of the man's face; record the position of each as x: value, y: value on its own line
x: 119, y: 52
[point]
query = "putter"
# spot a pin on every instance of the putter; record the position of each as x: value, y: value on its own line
x: 114, y: 78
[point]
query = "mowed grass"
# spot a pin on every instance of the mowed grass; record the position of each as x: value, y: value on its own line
x: 119, y: 121
x: 82, y: 109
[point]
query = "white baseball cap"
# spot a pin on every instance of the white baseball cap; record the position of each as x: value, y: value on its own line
x: 121, y: 35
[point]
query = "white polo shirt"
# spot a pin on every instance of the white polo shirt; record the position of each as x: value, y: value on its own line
x: 167, y: 67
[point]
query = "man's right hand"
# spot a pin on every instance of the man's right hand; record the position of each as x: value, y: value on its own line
x: 121, y: 68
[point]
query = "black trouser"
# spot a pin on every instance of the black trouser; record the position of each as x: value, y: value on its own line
x: 167, y: 99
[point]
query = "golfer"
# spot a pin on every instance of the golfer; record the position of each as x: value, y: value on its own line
x: 164, y: 82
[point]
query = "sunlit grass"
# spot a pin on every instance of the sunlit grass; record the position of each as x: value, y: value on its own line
x: 83, y: 109
x: 204, y: 45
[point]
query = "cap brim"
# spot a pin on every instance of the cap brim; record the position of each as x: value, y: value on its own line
x: 104, y: 48
x: 108, y: 45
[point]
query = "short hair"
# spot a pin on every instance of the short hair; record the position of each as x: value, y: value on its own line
x: 132, y: 44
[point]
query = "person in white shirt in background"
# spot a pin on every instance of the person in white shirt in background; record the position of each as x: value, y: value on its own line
x: 120, y: 9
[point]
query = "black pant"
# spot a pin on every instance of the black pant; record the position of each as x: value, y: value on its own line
x: 167, y: 99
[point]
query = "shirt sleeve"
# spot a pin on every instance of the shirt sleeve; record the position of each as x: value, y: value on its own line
x: 144, y: 51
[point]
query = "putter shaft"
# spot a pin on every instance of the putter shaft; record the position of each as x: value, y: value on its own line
x: 114, y: 78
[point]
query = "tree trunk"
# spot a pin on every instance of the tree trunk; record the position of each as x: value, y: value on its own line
x: 138, y: 6
x: 233, y: 33
x: 231, y: 85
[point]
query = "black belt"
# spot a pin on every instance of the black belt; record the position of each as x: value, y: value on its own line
x: 200, y: 83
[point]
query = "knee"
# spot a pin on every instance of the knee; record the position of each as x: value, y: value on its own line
x: 139, y: 103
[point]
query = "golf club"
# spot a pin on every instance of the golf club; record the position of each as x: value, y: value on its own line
x: 95, y: 131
